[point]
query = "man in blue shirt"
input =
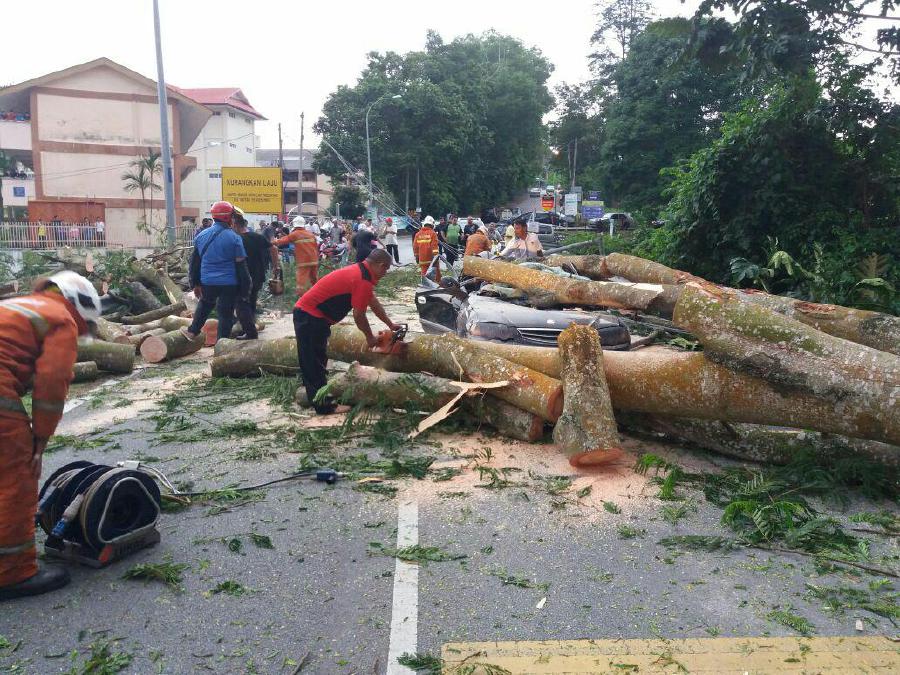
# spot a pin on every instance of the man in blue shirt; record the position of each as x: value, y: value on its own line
x: 218, y: 273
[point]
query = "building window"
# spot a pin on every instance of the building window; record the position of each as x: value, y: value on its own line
x: 216, y: 112
x: 249, y: 121
x: 249, y: 149
x: 232, y: 145
x: 232, y: 115
x: 215, y: 175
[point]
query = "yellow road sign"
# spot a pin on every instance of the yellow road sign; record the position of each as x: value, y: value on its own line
x: 719, y: 656
x: 254, y: 189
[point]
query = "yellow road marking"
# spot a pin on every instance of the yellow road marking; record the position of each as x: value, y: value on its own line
x: 722, y: 656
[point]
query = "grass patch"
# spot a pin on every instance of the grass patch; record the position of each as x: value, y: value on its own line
x: 398, y: 280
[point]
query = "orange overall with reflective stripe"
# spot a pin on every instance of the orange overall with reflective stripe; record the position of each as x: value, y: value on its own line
x: 38, y: 347
x: 425, y: 247
x: 306, y: 257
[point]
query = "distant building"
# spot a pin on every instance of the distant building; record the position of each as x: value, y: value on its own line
x: 227, y: 139
x: 76, y: 131
x: 316, y: 192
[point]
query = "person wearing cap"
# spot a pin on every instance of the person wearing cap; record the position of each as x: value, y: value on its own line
x: 389, y: 239
x: 524, y: 244
x: 218, y: 272
x: 306, y: 254
x: 38, y: 347
x: 426, y: 248
x: 478, y: 242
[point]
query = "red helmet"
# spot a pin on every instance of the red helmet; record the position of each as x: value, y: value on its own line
x: 222, y: 211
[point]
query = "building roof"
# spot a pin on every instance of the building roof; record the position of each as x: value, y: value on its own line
x: 269, y: 157
x: 230, y: 96
x: 194, y: 114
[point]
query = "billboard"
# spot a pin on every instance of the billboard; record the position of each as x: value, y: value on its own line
x: 592, y: 205
x: 254, y: 189
x: 571, y: 203
x: 547, y: 203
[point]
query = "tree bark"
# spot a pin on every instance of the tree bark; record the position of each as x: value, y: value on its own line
x: 168, y: 346
x: 644, y: 271
x: 142, y: 300
x: 234, y: 358
x: 137, y: 329
x: 545, y: 289
x: 108, y: 331
x: 137, y: 339
x: 155, y: 314
x: 586, y: 265
x: 687, y: 384
x: 109, y: 356
x: 85, y: 371
x: 586, y: 431
x: 758, y: 443
x: 753, y: 339
x: 171, y: 323
x: 372, y: 386
x: 157, y: 279
x: 873, y: 329
x: 455, y: 358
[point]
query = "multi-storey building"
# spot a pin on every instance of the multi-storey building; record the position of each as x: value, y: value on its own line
x: 315, y: 192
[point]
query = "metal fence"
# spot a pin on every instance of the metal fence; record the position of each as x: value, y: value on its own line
x: 24, y: 235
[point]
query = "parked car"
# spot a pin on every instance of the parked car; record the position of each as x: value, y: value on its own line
x: 619, y: 219
x: 534, y: 191
x: 463, y: 309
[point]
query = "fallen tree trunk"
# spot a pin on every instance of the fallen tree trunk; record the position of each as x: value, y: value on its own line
x: 141, y: 299
x: 137, y: 329
x: 137, y: 339
x: 108, y: 331
x: 234, y: 358
x: 455, y: 358
x: 85, y: 371
x: 174, y: 322
x: 168, y: 346
x: 109, y: 356
x: 586, y: 431
x: 157, y: 279
x: 687, y: 384
x: 761, y: 342
x: 546, y: 289
x: 758, y: 443
x: 586, y: 265
x: 154, y: 314
x: 375, y: 387
x: 873, y: 329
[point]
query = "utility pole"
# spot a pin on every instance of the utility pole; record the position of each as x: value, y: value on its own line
x: 280, y: 149
x: 418, y: 191
x: 300, y: 171
x: 406, y: 209
x: 574, y: 163
x: 168, y: 172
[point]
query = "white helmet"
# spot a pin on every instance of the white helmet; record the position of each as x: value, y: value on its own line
x: 77, y: 290
x: 299, y: 221
x: 428, y: 220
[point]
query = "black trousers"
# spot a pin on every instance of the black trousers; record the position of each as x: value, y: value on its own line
x: 223, y: 299
x: 394, y: 250
x: 254, y: 291
x: 246, y: 311
x: 312, y: 353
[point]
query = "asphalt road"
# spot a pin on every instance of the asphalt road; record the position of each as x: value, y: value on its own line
x: 535, y: 560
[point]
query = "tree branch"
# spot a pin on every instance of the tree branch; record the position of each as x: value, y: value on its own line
x: 869, y: 49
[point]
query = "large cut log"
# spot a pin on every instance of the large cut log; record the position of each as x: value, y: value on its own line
x: 154, y: 314
x: 873, y: 329
x: 85, y: 371
x: 457, y: 359
x: 142, y: 300
x: 137, y: 329
x: 109, y: 330
x: 586, y: 431
x: 168, y: 346
x: 586, y: 265
x: 234, y: 358
x: 157, y: 279
x: 761, y: 342
x: 545, y: 289
x: 137, y: 339
x: 757, y: 443
x: 174, y: 322
x: 445, y: 355
x: 683, y: 384
x: 109, y: 356
x: 418, y: 391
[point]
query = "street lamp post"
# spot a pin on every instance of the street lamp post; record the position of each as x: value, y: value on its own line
x: 368, y: 147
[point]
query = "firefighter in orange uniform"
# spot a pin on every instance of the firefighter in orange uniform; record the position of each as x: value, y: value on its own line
x: 38, y: 347
x: 306, y: 254
x: 426, y: 246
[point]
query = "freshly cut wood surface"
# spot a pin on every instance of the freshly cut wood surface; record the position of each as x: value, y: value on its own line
x: 586, y: 431
x: 137, y: 339
x: 168, y: 346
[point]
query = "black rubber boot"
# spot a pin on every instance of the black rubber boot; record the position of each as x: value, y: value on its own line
x: 49, y: 578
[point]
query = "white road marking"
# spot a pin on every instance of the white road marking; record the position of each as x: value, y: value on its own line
x: 405, y: 609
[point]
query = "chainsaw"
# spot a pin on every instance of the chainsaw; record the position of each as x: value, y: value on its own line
x: 276, y: 283
x: 391, y: 341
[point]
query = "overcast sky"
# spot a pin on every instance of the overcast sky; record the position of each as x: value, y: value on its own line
x: 254, y: 44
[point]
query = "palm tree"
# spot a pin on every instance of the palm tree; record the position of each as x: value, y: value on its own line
x: 137, y: 178
x: 153, y: 167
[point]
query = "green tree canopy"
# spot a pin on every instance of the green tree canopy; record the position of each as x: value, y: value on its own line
x: 470, y: 116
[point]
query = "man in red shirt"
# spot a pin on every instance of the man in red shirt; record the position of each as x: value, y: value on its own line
x: 329, y: 300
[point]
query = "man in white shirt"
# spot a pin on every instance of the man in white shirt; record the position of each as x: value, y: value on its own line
x: 100, y: 229
x: 523, y: 245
